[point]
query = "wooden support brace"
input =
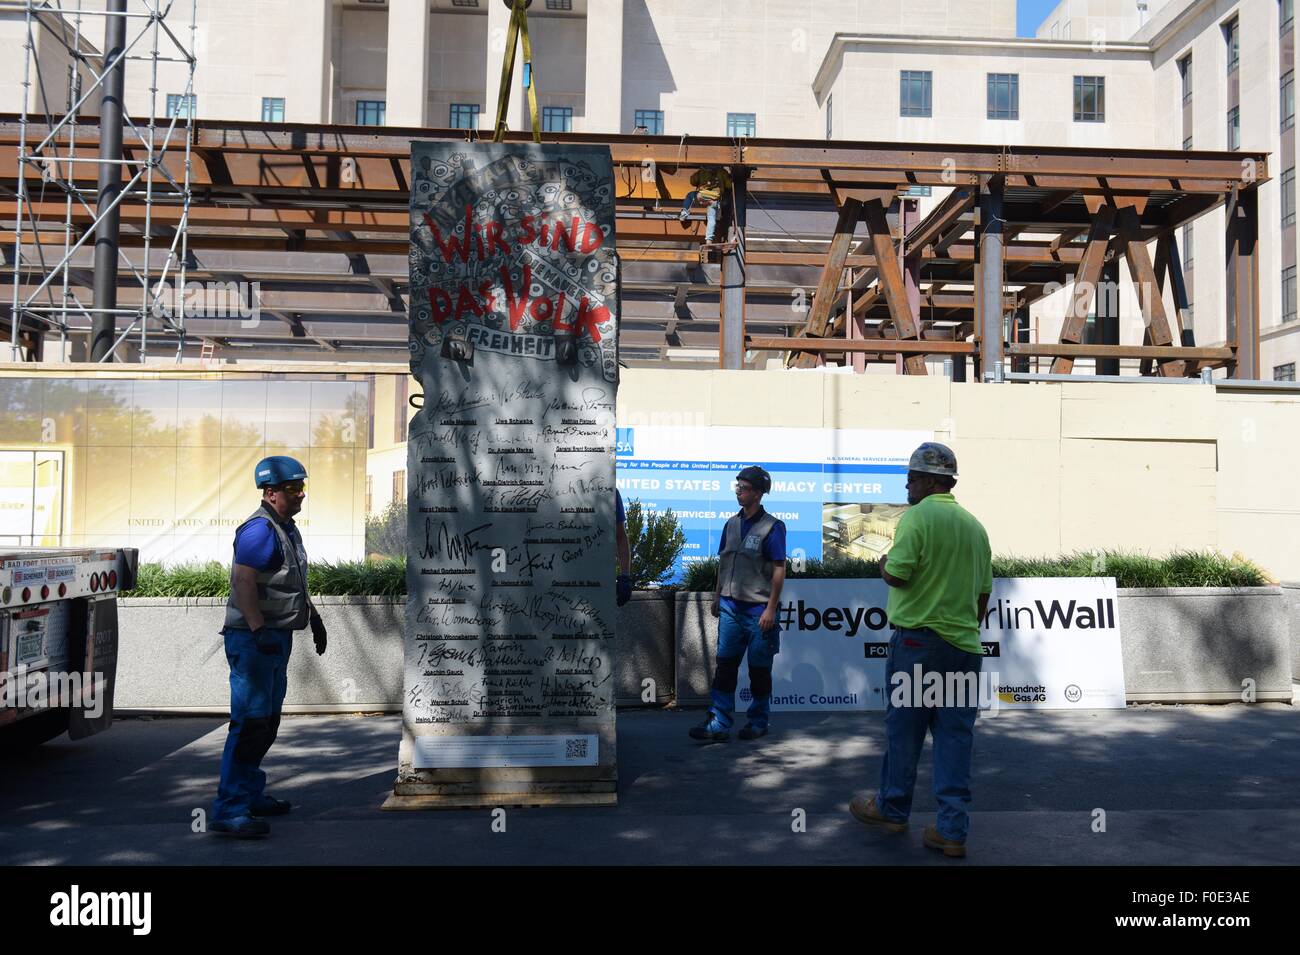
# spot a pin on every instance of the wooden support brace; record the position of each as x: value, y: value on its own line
x: 1148, y: 289
x: 891, y: 278
x: 829, y: 284
x: 1085, y: 285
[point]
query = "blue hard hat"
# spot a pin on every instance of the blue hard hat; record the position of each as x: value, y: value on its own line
x: 277, y: 469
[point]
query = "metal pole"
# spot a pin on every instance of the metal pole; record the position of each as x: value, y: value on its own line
x: 990, y: 265
x: 1106, y: 306
x: 110, y: 183
x: 732, y: 330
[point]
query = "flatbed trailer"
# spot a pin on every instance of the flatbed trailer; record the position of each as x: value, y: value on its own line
x: 59, y: 639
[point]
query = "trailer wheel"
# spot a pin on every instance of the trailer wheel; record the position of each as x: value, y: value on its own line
x: 34, y: 731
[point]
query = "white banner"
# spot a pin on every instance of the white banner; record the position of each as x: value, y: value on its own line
x: 1049, y: 643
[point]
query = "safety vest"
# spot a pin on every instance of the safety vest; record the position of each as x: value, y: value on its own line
x: 282, y: 594
x: 745, y: 573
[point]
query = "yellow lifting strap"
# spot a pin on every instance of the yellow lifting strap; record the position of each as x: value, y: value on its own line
x: 518, y: 32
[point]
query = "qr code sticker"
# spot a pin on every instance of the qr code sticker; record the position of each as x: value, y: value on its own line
x: 575, y: 748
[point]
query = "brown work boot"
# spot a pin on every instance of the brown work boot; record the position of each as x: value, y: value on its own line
x: 864, y: 809
x: 949, y: 847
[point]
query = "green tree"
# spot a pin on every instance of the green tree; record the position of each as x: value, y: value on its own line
x: 656, y: 542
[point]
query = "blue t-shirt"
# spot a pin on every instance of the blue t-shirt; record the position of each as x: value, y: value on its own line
x: 258, y: 546
x: 619, y: 514
x: 773, y: 550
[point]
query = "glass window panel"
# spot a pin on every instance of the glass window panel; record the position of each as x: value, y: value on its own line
x: 153, y: 489
x: 557, y: 119
x: 49, y: 486
x: 464, y: 115
x: 108, y: 413
x: 16, y: 491
x: 651, y: 119
x: 106, y: 476
x: 153, y: 413
x: 336, y: 414
x: 21, y: 400
x: 272, y: 109
x: 371, y: 112
x: 742, y: 124
x: 63, y: 411
x: 198, y: 414
x: 287, y: 416
x: 243, y: 414
x: 1288, y: 197
x: 1288, y: 99
x: 198, y: 492
x: 237, y: 496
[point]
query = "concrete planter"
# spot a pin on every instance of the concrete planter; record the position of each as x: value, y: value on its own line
x: 172, y: 656
x: 1180, y: 645
x: 1291, y: 607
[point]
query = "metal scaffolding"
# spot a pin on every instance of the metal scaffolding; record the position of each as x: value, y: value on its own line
x: 135, y: 161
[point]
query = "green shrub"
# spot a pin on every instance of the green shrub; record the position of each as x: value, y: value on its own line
x: 1180, y: 569
x: 386, y: 531
x: 655, y: 542
x: 658, y: 546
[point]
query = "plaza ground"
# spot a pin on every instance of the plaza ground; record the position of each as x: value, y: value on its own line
x: 1186, y: 785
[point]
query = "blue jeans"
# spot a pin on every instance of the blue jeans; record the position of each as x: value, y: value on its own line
x: 738, y: 635
x: 258, y: 680
x: 951, y: 727
x: 710, y: 214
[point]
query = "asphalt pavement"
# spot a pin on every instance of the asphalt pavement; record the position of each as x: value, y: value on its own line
x: 1150, y: 785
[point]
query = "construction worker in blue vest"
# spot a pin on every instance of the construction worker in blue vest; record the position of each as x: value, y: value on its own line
x: 751, y: 573
x: 268, y: 602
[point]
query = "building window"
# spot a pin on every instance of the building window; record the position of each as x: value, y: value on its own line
x: 464, y: 116
x: 1234, y: 128
x: 1288, y: 294
x: 273, y: 109
x: 742, y: 124
x: 464, y: 3
x: 557, y: 119
x: 1286, y: 13
x: 914, y: 93
x: 401, y: 395
x: 559, y: 4
x: 370, y: 112
x: 1284, y: 372
x: 1185, y: 71
x: 1288, y: 197
x: 650, y: 120
x: 1090, y: 99
x: 829, y: 127
x: 1187, y: 247
x: 1288, y: 100
x: 1232, y: 40
x: 399, y: 486
x: 181, y: 105
x: 1187, y: 143
x: 1004, y: 96
x: 921, y: 192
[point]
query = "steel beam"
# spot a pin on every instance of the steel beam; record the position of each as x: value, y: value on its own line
x: 108, y: 229
x: 989, y: 301
x: 731, y: 337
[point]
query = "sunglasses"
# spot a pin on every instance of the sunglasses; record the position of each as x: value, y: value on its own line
x: 293, y: 487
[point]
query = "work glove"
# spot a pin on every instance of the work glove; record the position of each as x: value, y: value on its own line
x: 624, y: 589
x: 318, y: 631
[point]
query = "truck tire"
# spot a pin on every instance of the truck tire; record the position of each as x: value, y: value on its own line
x: 33, y: 731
